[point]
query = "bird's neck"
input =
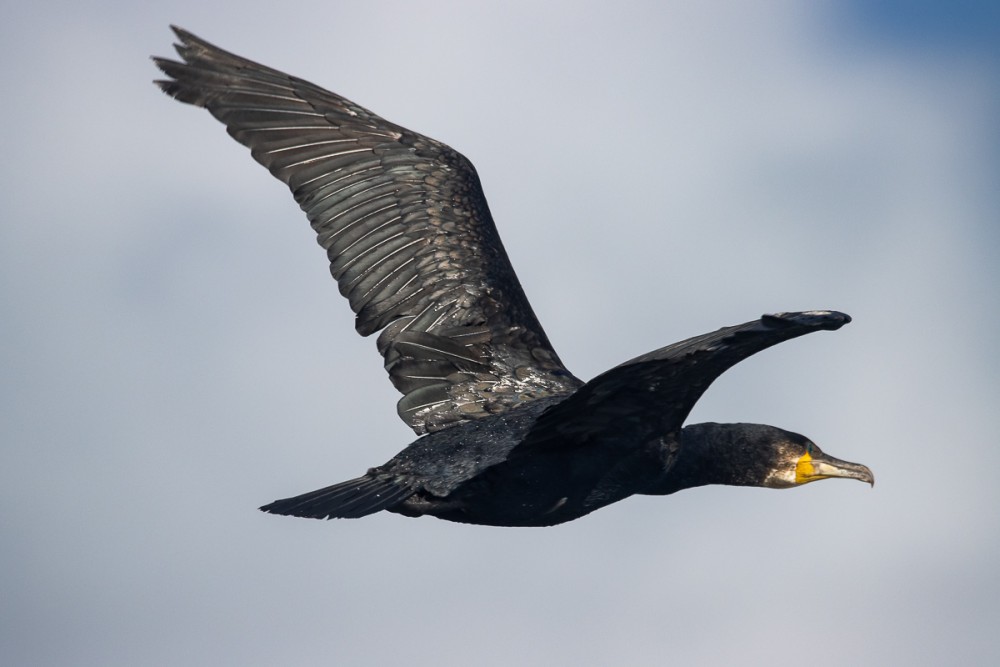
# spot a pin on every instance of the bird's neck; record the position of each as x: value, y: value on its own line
x: 712, y: 454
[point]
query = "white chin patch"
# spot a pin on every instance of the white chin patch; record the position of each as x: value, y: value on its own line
x: 780, y: 479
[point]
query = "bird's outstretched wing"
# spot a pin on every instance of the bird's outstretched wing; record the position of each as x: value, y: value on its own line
x: 407, y: 230
x: 651, y: 395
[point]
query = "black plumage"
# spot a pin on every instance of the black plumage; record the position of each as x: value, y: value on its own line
x: 511, y: 436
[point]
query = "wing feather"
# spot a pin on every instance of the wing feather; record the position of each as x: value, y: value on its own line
x: 407, y: 230
x: 655, y: 392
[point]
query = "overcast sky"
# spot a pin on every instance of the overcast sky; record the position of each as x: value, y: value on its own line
x: 174, y: 353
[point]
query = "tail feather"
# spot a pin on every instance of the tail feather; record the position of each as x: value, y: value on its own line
x: 347, y: 500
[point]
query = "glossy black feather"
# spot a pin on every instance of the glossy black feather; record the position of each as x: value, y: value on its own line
x: 347, y: 500
x: 655, y: 392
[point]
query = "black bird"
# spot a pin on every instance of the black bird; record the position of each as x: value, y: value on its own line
x: 509, y: 436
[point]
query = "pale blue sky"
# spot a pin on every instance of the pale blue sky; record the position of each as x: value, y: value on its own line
x: 175, y: 354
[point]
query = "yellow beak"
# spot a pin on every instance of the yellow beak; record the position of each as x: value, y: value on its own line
x: 811, y: 468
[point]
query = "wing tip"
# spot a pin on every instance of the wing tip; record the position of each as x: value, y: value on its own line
x: 830, y: 320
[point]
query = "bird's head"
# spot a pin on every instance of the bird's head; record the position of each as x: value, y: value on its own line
x: 793, y: 460
x: 755, y: 455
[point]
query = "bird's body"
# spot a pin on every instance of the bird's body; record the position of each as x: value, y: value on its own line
x: 509, y: 435
x: 472, y: 473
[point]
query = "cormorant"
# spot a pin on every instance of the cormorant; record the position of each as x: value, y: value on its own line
x: 509, y: 436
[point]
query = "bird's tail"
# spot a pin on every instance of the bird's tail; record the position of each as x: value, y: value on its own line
x: 348, y: 500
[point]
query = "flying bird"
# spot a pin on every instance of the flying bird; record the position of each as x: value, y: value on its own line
x: 508, y: 435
